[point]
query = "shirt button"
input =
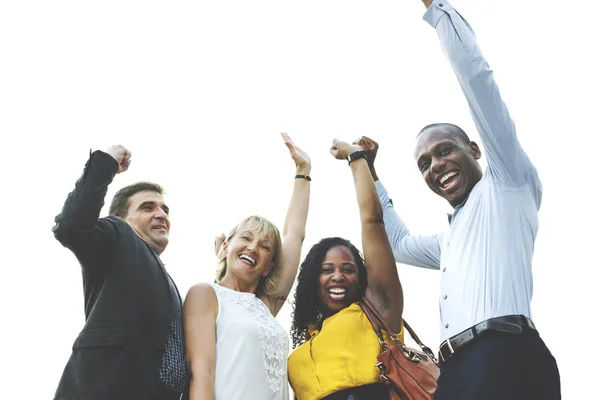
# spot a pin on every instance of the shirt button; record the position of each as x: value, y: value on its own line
x: 446, y: 326
x: 444, y: 269
x: 441, y: 5
x: 445, y: 296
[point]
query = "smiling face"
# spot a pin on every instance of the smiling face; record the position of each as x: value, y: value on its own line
x: 448, y: 163
x: 338, y: 280
x: 148, y: 215
x: 249, y: 252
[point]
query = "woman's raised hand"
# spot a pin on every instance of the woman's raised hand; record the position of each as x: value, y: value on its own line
x: 300, y: 157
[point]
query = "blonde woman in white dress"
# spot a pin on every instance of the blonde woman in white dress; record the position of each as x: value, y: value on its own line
x: 235, y: 347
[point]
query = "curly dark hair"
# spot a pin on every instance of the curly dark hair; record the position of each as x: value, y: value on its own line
x: 306, y: 300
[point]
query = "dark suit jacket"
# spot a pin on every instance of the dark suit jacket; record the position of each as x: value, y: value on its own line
x: 127, y: 298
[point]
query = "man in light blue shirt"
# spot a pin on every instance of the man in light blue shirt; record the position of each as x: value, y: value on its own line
x: 490, y: 348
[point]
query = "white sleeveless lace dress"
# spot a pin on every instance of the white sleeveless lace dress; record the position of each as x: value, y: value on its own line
x: 252, y: 349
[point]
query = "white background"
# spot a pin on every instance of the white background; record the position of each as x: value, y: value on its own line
x: 199, y: 92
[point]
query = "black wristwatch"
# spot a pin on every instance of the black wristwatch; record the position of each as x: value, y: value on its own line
x: 357, y: 154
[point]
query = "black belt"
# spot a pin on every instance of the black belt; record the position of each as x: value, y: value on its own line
x: 507, y: 323
x: 375, y: 391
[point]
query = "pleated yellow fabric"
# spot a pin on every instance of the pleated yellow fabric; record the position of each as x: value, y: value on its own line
x: 341, y: 355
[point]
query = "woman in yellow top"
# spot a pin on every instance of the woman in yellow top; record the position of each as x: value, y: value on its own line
x: 336, y: 347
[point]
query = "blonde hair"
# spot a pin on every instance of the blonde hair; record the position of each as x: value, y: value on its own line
x: 268, y: 284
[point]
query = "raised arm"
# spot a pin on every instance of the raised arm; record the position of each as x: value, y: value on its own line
x: 294, y: 228
x: 200, y: 329
x: 78, y: 227
x: 384, y: 289
x: 417, y: 250
x: 507, y: 162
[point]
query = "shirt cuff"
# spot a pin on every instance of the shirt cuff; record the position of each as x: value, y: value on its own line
x: 382, y: 192
x: 436, y: 11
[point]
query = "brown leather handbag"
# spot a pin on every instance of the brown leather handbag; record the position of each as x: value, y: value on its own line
x: 410, y: 374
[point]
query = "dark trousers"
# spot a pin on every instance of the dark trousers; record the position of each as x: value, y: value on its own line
x: 163, y: 393
x: 501, y: 366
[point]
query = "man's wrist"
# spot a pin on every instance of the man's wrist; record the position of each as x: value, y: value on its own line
x: 374, y: 174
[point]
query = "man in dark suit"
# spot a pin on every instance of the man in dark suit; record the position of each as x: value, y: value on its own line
x: 131, y: 346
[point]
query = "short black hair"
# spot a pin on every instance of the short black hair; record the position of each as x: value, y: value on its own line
x: 120, y: 203
x: 451, y: 128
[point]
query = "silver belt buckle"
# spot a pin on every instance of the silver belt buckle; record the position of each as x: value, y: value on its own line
x: 450, y: 346
x: 447, y: 341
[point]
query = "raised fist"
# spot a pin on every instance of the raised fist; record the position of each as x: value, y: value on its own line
x: 341, y: 150
x: 121, y: 155
x: 370, y: 146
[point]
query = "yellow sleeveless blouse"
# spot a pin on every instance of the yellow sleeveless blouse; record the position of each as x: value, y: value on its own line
x: 342, y: 355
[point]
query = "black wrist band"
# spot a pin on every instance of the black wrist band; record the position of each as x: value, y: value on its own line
x: 303, y: 177
x: 356, y: 155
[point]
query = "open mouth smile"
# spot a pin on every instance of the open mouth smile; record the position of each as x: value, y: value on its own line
x: 448, y: 180
x: 337, y: 293
x: 248, y: 259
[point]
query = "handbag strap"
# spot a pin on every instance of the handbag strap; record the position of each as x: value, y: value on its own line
x: 376, y: 320
x: 372, y: 319
x: 379, y: 323
x: 423, y: 347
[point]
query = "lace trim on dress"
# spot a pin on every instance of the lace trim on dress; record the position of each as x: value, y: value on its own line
x: 273, y: 339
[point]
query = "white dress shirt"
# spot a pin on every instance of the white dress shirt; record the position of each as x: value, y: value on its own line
x: 485, y: 257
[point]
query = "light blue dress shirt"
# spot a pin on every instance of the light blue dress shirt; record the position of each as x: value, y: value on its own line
x: 485, y: 257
